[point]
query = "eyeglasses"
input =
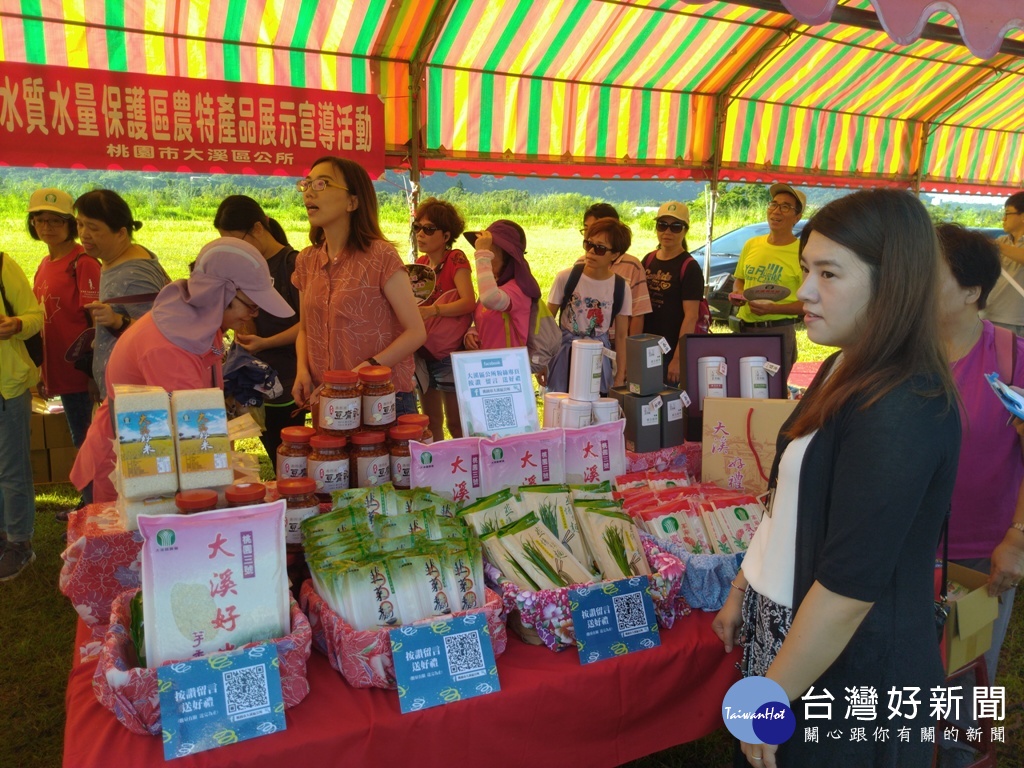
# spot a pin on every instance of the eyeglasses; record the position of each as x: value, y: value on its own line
x: 1010, y: 213
x: 784, y: 207
x: 597, y: 248
x: 317, y: 185
x: 672, y: 226
x: 48, y: 222
x: 426, y: 229
x: 253, y: 308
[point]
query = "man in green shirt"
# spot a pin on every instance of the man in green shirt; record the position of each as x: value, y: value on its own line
x: 773, y: 259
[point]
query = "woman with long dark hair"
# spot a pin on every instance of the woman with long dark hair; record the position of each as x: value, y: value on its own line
x: 836, y: 591
x: 268, y: 338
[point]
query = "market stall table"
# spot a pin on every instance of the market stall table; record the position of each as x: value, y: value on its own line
x: 550, y: 711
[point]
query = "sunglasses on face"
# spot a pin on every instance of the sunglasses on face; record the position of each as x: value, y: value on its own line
x: 596, y: 248
x: 783, y: 207
x: 317, y: 185
x: 672, y: 226
x: 426, y: 229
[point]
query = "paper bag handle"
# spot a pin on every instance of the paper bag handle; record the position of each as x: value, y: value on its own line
x: 750, y: 445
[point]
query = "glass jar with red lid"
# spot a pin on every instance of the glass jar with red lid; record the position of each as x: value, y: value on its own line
x: 299, y: 494
x: 401, y: 459
x: 293, y: 453
x: 369, y: 460
x: 245, y: 494
x: 378, y: 397
x: 199, y: 500
x: 420, y: 420
x: 329, y: 464
x: 341, y: 404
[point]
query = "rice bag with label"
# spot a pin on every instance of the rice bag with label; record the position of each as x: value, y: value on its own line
x: 537, y: 458
x: 201, y: 438
x: 145, y: 442
x: 595, y: 453
x: 449, y: 467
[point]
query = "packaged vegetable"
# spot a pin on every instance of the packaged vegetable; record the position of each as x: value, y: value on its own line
x: 549, y: 564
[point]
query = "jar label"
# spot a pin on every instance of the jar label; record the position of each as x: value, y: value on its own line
x: 378, y: 411
x: 290, y: 466
x: 293, y: 517
x: 373, y: 470
x: 340, y: 412
x: 329, y: 475
x: 401, y: 470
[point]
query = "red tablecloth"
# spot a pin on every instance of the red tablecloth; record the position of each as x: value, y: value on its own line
x: 550, y: 711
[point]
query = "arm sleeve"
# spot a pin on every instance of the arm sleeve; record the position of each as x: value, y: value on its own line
x: 627, y: 302
x: 692, y: 282
x: 889, y: 455
x: 740, y: 263
x: 491, y: 296
x: 299, y: 279
x: 88, y: 272
x: 23, y: 300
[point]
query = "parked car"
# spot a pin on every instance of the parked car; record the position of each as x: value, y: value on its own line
x: 725, y: 253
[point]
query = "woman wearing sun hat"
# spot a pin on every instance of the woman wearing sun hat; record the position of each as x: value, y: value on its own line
x: 179, y: 344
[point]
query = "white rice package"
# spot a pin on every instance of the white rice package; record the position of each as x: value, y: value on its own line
x: 128, y: 510
x: 213, y: 581
x: 201, y: 438
x: 537, y: 458
x: 596, y: 453
x: 145, y: 442
x: 450, y: 467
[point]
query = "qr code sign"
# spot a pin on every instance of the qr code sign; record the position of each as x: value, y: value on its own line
x: 630, y: 615
x: 465, y: 655
x: 246, y: 692
x: 499, y: 413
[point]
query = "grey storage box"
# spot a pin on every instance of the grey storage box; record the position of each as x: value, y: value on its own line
x: 645, y: 369
x: 643, y: 424
x: 673, y: 418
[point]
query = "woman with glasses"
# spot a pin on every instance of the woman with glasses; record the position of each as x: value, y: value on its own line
x: 358, y: 307
x: 588, y: 299
x: 448, y: 311
x: 179, y: 344
x: 836, y: 593
x: 66, y: 281
x: 268, y: 338
x: 131, y: 276
x: 676, y: 285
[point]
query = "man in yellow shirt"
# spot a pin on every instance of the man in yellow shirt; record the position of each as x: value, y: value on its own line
x: 773, y: 259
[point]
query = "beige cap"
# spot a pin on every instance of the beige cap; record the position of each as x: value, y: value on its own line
x: 50, y: 199
x: 800, y: 196
x: 675, y: 210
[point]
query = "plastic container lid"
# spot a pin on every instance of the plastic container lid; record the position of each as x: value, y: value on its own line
x: 341, y: 377
x: 406, y: 432
x: 419, y: 419
x: 375, y: 373
x: 196, y: 501
x: 248, y: 493
x: 297, y: 434
x: 327, y: 441
x: 367, y: 438
x: 296, y: 486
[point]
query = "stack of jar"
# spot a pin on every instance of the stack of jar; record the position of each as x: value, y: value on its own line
x: 206, y: 499
x: 358, y: 441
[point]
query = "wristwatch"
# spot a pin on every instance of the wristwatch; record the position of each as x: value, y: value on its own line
x: 372, y: 361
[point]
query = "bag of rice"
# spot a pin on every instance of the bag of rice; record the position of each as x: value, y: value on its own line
x: 145, y: 442
x: 449, y: 467
x: 201, y: 438
x: 213, y: 580
x: 128, y: 510
x: 595, y: 453
x: 537, y: 458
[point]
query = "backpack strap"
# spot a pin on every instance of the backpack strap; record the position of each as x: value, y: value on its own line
x: 570, y: 285
x: 619, y: 296
x: 8, y: 309
x: 1006, y: 351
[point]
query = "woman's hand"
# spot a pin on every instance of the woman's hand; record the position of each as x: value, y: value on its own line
x: 483, y: 241
x: 250, y: 342
x: 542, y: 378
x: 9, y: 327
x: 672, y: 375
x: 104, y: 314
x: 1007, y: 563
x: 302, y: 389
x: 759, y: 755
x: 427, y: 311
x: 471, y: 340
x: 729, y: 620
x: 620, y: 377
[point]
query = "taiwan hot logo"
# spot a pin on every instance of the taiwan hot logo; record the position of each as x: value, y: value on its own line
x: 756, y: 711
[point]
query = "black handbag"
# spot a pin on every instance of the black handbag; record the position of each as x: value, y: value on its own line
x: 33, y: 344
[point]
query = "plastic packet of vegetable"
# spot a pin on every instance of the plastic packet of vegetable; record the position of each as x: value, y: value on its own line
x: 552, y: 505
x: 442, y: 504
x: 591, y: 491
x: 501, y: 559
x: 366, y: 596
x: 137, y: 629
x: 535, y: 548
x: 422, y: 523
x: 492, y: 512
x: 338, y: 519
x: 422, y: 585
x: 613, y: 539
x: 467, y: 568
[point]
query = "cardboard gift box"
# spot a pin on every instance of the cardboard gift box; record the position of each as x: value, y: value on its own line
x: 739, y: 441
x: 971, y: 617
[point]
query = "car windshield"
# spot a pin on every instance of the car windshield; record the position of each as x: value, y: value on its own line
x: 729, y: 245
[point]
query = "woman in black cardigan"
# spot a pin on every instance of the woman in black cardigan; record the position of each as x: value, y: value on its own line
x: 835, y: 596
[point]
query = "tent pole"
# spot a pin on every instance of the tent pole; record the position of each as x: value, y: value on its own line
x: 922, y: 150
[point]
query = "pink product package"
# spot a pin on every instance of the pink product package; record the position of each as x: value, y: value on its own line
x: 596, y: 453
x: 213, y: 581
x: 131, y: 692
x: 364, y: 658
x: 451, y: 467
x: 537, y: 458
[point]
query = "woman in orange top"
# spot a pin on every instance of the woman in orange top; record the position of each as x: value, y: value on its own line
x: 357, y: 305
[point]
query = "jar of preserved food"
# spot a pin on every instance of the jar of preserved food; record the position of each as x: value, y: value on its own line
x: 191, y: 502
x: 244, y: 494
x: 341, y: 404
x: 401, y: 459
x: 328, y: 464
x: 420, y: 420
x: 293, y: 453
x: 369, y: 461
x: 378, y: 397
x: 299, y: 494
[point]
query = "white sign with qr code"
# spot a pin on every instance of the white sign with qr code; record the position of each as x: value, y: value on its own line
x: 495, y: 392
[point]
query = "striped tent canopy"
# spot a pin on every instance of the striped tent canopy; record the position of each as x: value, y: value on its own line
x: 811, y: 91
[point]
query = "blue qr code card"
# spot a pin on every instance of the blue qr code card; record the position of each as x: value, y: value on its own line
x: 218, y: 700
x: 613, y: 618
x: 443, y: 661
